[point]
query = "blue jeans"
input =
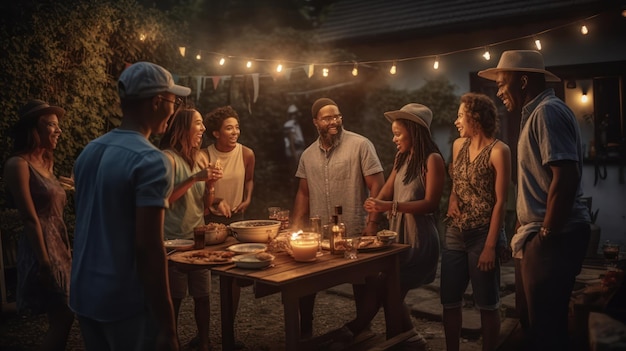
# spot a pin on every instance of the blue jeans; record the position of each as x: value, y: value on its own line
x: 459, y: 266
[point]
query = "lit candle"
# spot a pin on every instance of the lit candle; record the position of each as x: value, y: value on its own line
x: 304, y: 247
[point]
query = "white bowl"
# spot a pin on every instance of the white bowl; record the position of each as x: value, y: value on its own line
x: 255, y: 231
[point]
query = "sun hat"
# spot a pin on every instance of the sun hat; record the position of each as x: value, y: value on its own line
x: 145, y: 79
x: 417, y: 113
x: 519, y: 61
x: 319, y: 103
x: 36, y: 108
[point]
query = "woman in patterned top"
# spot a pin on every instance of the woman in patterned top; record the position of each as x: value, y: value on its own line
x: 480, y: 172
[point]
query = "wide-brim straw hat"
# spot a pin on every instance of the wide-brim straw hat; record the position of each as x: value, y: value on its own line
x: 417, y: 113
x: 36, y: 108
x: 519, y: 61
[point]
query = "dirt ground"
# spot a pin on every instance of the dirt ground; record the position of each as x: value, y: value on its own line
x: 259, y: 324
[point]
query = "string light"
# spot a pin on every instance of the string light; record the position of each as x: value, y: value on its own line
x: 198, y: 57
x: 487, y: 55
x: 584, y: 98
x: 309, y: 67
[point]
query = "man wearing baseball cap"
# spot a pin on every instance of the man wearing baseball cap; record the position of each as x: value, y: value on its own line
x: 551, y: 241
x: 119, y: 288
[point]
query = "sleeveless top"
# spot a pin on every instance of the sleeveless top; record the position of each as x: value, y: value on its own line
x: 418, y: 266
x: 474, y: 184
x: 49, y: 199
x: 230, y: 187
x: 188, y: 211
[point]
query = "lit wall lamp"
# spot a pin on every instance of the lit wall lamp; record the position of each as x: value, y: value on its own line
x: 584, y: 98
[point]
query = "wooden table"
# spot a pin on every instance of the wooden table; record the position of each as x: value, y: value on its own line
x: 297, y: 279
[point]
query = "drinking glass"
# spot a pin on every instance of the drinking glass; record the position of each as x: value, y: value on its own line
x: 352, y: 248
x: 611, y: 253
x: 315, y: 224
x: 283, y: 217
x: 273, y: 212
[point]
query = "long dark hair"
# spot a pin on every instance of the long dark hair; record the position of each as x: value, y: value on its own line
x: 422, y: 146
x: 177, y: 136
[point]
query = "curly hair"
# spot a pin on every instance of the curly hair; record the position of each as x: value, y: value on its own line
x: 177, y: 137
x: 481, y: 112
x: 214, y: 119
x: 422, y: 145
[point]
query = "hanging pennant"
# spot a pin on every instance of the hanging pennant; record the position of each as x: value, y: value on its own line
x: 216, y: 81
x: 255, y: 85
x: 310, y: 71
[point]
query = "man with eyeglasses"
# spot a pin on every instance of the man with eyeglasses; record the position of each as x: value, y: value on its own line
x: 119, y: 286
x: 339, y: 168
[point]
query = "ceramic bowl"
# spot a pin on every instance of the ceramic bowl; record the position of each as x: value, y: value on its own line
x: 255, y: 231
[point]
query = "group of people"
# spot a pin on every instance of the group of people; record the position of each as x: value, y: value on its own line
x: 130, y: 195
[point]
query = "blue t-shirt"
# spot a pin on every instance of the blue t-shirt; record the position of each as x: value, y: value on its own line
x: 115, y: 174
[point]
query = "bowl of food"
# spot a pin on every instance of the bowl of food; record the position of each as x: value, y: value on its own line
x: 214, y: 233
x: 255, y: 231
x: 386, y: 236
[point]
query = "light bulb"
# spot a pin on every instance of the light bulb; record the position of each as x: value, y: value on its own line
x: 487, y: 55
x: 355, y: 70
x: 325, y: 72
x: 142, y: 37
x: 279, y: 68
x: 222, y: 61
x: 248, y: 64
x: 436, y: 64
x: 198, y: 57
x: 393, y: 69
x: 538, y: 44
x: 584, y: 30
x: 584, y: 98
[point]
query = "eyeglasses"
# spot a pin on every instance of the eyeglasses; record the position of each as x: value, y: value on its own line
x: 177, y: 102
x: 328, y: 119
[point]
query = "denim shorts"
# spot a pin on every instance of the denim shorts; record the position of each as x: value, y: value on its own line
x: 459, y: 266
x: 197, y: 281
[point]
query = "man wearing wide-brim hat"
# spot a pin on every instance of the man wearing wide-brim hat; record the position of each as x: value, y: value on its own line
x: 551, y: 241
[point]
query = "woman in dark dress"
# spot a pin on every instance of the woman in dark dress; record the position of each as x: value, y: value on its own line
x: 44, y: 257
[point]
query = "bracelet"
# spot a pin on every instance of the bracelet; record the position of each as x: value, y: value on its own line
x: 394, y: 208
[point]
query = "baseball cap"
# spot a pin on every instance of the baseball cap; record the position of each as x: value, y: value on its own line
x: 145, y: 79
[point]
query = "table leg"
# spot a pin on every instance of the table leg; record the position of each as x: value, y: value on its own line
x: 291, y: 306
x: 227, y: 312
x: 393, y: 304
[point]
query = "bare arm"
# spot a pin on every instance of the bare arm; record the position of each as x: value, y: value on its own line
x: 453, y: 202
x: 501, y: 161
x: 17, y: 178
x: 374, y: 183
x: 152, y: 269
x: 300, y: 213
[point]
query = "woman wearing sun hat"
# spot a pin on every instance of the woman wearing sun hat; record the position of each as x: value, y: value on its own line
x: 43, y: 258
x: 411, y: 198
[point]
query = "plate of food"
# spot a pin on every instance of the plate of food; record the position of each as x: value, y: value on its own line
x: 241, y: 249
x: 177, y: 244
x: 202, y: 257
x: 372, y: 243
x: 254, y: 261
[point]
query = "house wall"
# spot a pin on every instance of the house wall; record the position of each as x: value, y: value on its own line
x: 604, y: 43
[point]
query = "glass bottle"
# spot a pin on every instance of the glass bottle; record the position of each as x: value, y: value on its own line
x: 337, y: 236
